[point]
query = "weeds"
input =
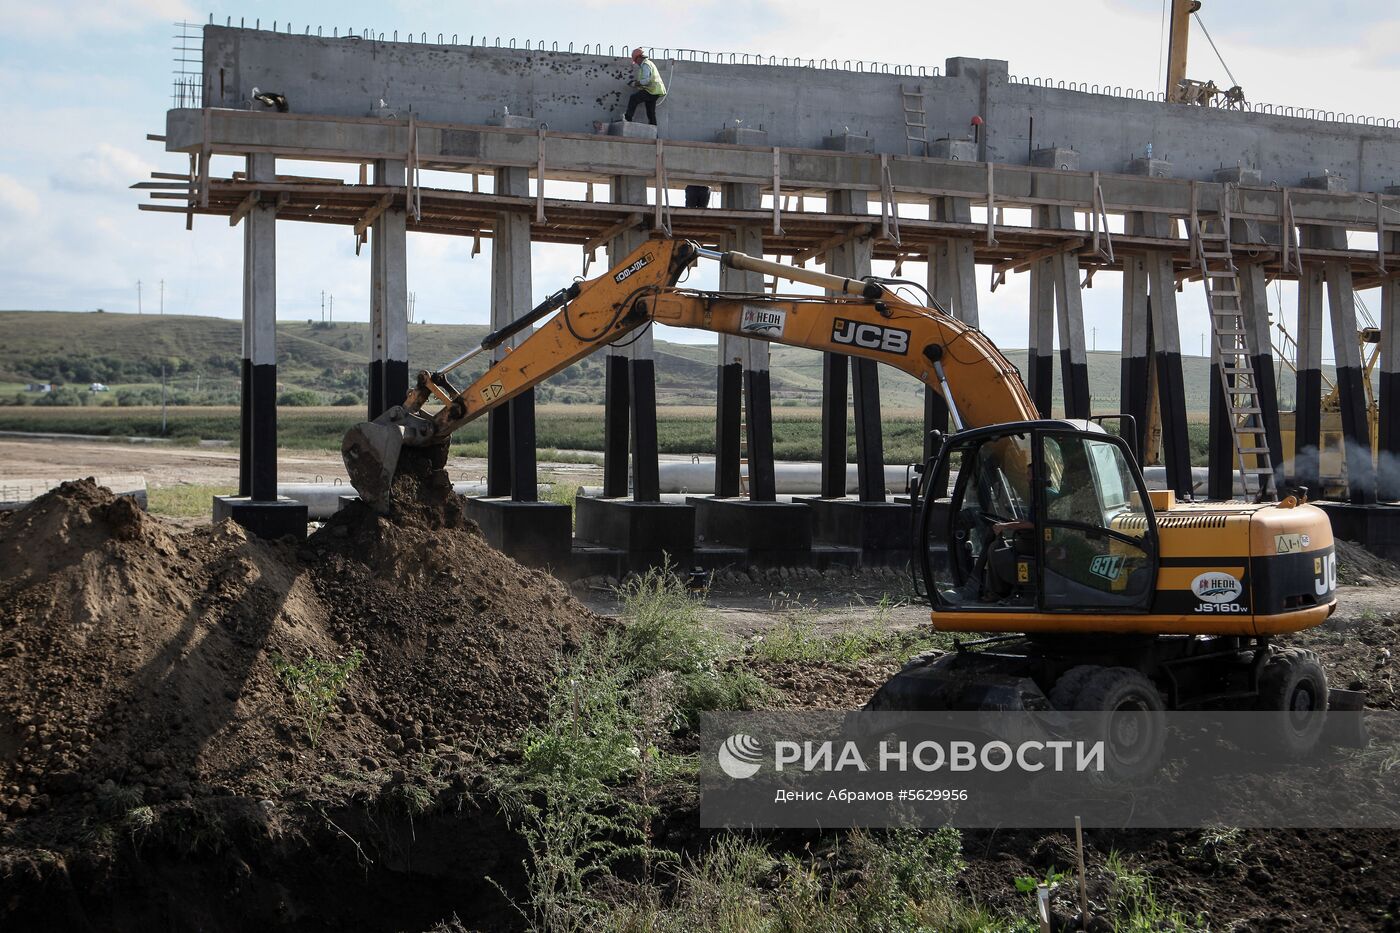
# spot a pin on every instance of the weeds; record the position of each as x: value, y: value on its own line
x: 897, y: 880
x: 315, y: 685
x: 665, y: 636
x: 1134, y: 905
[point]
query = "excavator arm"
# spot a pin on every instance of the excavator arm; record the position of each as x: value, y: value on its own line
x: 860, y: 318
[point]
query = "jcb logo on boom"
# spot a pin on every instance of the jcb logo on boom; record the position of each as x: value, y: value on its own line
x: 637, y: 266
x: 870, y: 336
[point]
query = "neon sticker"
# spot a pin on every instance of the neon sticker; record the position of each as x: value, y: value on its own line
x: 763, y: 322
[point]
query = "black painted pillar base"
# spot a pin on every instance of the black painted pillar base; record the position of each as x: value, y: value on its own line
x: 388, y: 385
x: 728, y: 415
x: 524, y: 470
x: 1307, y: 432
x: 834, y: 368
x: 1135, y: 396
x: 617, y: 419
x: 263, y: 458
x: 1076, y: 385
x: 1176, y: 443
x: 1040, y: 379
x: 245, y: 428
x: 758, y: 400
x: 1356, y: 433
x: 870, y: 443
x: 646, y: 474
x: 935, y: 419
x: 1220, y: 461
x: 1388, y: 479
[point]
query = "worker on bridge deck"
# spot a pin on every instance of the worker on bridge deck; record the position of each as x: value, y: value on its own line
x: 651, y: 90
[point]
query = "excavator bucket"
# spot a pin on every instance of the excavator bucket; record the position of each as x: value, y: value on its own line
x: 371, y: 454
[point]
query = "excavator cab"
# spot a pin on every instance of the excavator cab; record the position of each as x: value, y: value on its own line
x: 1037, y: 516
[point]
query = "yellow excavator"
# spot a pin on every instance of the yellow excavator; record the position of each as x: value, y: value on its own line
x: 1096, y: 592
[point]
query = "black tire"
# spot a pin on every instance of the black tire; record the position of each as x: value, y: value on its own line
x: 1066, y: 689
x: 1132, y: 725
x: 1294, y: 686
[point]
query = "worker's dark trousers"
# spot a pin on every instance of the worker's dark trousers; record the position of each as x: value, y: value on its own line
x: 644, y: 97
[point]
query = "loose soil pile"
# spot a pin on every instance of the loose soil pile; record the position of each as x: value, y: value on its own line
x: 139, y: 669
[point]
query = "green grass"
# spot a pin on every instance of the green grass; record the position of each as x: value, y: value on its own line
x: 184, y: 501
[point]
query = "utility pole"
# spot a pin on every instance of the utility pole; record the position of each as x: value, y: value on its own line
x: 332, y: 318
x: 323, y: 306
x: 138, y: 296
x: 162, y: 296
x: 1095, y: 344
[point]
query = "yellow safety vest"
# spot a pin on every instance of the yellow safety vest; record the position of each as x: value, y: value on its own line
x: 655, y: 86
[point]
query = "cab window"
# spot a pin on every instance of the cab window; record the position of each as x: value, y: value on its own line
x: 1094, y: 529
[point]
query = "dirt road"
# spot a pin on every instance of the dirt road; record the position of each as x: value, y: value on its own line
x: 174, y: 464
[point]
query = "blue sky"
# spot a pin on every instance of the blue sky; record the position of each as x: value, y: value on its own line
x: 87, y: 81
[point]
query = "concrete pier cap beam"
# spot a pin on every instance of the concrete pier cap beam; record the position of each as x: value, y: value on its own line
x: 1058, y: 157
x: 1327, y: 181
x: 743, y: 136
x: 954, y: 150
x: 515, y: 121
x: 631, y: 129
x: 1153, y: 168
x: 847, y: 142
x: 1238, y: 175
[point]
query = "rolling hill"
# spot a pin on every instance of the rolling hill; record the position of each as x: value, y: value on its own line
x: 327, y: 362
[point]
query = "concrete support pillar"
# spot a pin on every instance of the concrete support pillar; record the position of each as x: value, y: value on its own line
x: 851, y: 260
x: 1351, y: 377
x: 1134, y: 385
x: 1254, y: 299
x: 1040, y: 360
x: 630, y: 390
x: 1388, y: 399
x: 742, y: 379
x: 258, y: 459
x: 388, y: 295
x: 1165, y: 347
x: 1069, y: 306
x: 1307, y: 414
x: 952, y: 281
x: 510, y: 429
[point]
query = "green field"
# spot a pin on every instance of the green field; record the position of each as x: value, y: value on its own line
x: 680, y: 429
x: 325, y: 364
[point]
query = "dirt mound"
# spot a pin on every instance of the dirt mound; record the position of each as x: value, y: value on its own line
x: 154, y: 667
x: 1357, y: 566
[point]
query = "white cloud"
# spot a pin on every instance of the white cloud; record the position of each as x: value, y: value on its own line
x: 105, y: 168
x: 17, y: 202
x: 56, y: 20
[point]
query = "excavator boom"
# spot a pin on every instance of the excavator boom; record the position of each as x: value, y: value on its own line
x: 862, y: 318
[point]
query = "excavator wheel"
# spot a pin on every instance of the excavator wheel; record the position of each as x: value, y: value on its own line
x: 1295, y: 686
x: 1067, y: 688
x: 1132, y: 725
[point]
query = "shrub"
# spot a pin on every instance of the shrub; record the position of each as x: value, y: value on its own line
x: 299, y: 398
x: 315, y: 685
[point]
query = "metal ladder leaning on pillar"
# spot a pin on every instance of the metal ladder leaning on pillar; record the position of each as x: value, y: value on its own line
x: 1230, y: 350
x: 915, y: 119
